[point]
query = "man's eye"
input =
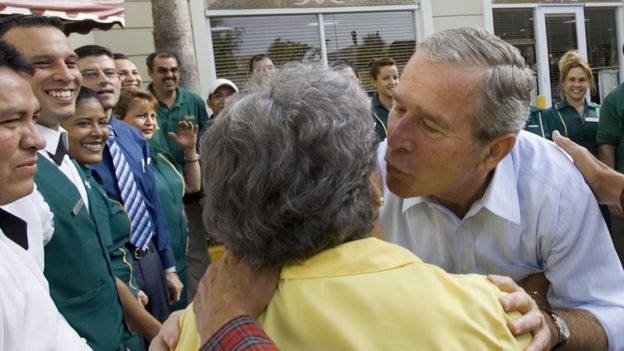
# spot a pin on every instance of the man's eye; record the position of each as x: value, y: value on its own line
x: 41, y: 64
x: 11, y: 123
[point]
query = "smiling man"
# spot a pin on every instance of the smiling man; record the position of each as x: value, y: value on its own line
x: 177, y: 104
x: 27, y: 308
x: 76, y: 261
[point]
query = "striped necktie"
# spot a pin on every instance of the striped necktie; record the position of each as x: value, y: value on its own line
x: 134, y: 204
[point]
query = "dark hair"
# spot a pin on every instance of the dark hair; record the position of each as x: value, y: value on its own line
x: 120, y: 56
x: 13, y: 60
x: 342, y: 64
x: 87, y: 94
x: 149, y: 61
x: 255, y: 58
x: 27, y: 21
x: 93, y: 50
x: 376, y: 64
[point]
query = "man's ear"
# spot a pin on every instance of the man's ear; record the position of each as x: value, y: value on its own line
x: 494, y: 151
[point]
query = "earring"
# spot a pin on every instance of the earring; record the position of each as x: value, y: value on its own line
x: 379, y: 201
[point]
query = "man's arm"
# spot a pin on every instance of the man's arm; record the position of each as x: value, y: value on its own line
x: 583, y: 269
x: 229, y: 295
x: 241, y: 334
x: 232, y: 278
x: 605, y: 182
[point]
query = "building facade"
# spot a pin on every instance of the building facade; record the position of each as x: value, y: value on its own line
x: 227, y: 33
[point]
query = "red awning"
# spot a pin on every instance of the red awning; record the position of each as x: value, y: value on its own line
x: 79, y: 15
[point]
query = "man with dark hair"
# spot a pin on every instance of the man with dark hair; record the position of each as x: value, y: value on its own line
x: 153, y: 268
x: 29, y: 320
x: 127, y: 71
x: 76, y: 261
x: 177, y: 104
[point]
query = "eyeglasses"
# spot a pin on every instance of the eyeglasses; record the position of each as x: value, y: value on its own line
x: 93, y: 74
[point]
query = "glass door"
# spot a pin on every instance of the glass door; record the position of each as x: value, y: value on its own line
x: 559, y: 29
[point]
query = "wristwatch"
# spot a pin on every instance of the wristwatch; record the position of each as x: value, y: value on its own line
x: 562, y: 329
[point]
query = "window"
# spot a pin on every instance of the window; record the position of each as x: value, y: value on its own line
x: 357, y: 37
x: 602, y: 50
x: 516, y: 27
x: 285, y: 38
x: 362, y: 37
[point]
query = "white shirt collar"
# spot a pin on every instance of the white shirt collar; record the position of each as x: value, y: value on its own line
x: 51, y: 137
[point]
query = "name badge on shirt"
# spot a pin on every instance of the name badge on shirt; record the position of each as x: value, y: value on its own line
x: 591, y: 119
x: 77, y: 207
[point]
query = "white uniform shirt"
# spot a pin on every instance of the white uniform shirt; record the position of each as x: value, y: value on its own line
x: 29, y: 319
x: 39, y: 220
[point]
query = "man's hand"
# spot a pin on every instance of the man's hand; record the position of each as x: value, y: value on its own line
x: 231, y: 288
x: 167, y: 338
x: 606, y: 183
x: 174, y: 287
x: 186, y: 135
x: 532, y: 319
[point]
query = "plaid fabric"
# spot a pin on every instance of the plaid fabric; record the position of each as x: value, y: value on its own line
x: 240, y: 334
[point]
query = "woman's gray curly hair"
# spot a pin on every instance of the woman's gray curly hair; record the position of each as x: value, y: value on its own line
x: 286, y: 167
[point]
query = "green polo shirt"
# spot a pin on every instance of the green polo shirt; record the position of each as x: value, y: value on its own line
x: 611, y: 125
x: 189, y: 107
x: 380, y: 114
x: 580, y: 129
x: 540, y: 122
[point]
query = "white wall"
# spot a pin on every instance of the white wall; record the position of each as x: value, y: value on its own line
x: 135, y: 40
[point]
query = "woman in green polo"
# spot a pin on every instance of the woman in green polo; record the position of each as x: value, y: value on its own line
x: 575, y: 116
x: 384, y: 77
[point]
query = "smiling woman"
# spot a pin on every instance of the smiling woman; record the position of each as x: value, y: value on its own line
x: 576, y: 117
x: 138, y: 108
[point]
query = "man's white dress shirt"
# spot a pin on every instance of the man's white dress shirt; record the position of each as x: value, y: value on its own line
x: 537, y: 215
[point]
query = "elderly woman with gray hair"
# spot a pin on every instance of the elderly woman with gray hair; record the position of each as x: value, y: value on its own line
x: 289, y: 182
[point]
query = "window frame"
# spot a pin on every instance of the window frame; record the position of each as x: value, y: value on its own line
x: 490, y: 7
x: 203, y: 33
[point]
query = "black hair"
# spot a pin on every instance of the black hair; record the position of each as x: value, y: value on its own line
x: 87, y: 94
x: 342, y: 64
x: 27, y: 21
x: 93, y: 50
x: 120, y: 56
x: 255, y: 58
x: 11, y: 58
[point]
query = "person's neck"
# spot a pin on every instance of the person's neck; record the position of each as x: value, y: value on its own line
x: 167, y: 97
x: 579, y: 105
x: 576, y: 103
x: 386, y: 101
x: 460, y: 199
x: 109, y: 114
x: 52, y: 126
